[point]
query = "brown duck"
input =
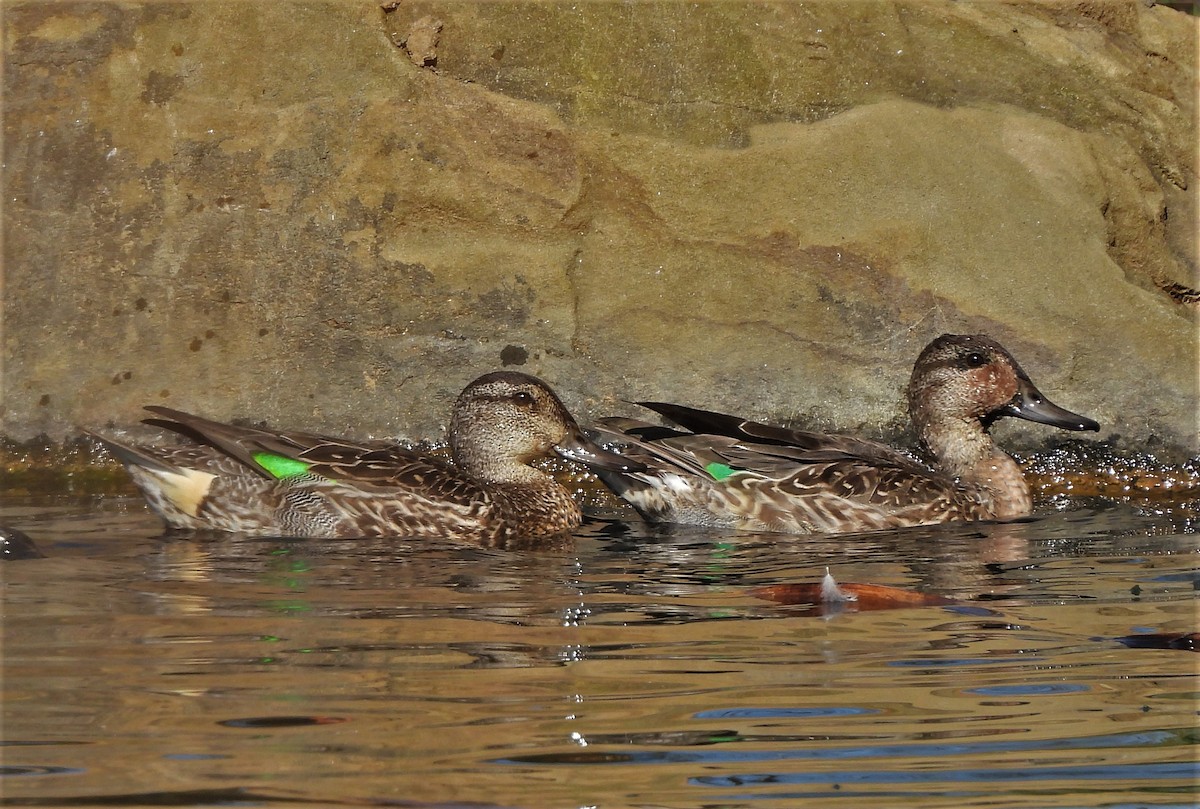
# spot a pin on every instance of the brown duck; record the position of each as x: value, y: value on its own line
x: 729, y: 472
x: 267, y: 482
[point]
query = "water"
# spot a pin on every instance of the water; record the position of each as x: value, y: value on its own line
x: 635, y: 668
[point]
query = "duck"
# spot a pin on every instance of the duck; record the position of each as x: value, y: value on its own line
x: 727, y: 472
x: 259, y: 481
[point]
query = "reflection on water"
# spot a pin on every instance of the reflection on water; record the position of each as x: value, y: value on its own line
x: 633, y: 668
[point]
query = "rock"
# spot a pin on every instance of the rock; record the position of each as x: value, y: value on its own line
x: 271, y: 213
x: 422, y: 41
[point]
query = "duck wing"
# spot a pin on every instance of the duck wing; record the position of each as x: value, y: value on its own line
x: 659, y: 448
x: 892, y: 482
x: 799, y: 446
x: 372, y: 466
x: 787, y: 480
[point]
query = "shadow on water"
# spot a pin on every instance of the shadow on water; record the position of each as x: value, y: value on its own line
x: 634, y: 666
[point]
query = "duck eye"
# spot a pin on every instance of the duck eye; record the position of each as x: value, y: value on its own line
x: 523, y: 397
x: 976, y: 359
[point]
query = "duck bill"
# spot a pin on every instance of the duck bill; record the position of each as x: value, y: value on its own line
x: 581, y: 449
x: 1031, y: 405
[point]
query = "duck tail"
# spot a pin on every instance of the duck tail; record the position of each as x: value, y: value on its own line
x: 169, y: 487
x: 226, y: 437
x: 130, y: 455
x: 699, y: 421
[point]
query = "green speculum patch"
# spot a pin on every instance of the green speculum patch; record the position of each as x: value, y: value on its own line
x: 719, y: 471
x: 280, y: 466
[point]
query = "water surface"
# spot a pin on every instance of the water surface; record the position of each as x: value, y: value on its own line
x: 633, y: 668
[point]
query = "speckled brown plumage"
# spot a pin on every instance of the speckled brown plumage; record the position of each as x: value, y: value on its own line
x: 770, y: 478
x: 259, y: 481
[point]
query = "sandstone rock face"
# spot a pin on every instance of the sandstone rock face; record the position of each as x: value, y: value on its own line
x: 333, y: 216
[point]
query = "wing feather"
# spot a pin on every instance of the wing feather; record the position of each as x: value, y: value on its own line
x: 371, y: 466
x: 792, y: 480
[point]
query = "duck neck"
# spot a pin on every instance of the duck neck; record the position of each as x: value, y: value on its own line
x: 499, y: 471
x: 488, y: 459
x: 547, y: 507
x: 964, y: 450
x: 527, y: 495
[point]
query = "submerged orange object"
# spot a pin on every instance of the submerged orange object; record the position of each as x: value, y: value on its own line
x: 856, y: 596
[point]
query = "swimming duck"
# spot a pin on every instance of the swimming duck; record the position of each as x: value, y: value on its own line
x: 729, y: 472
x: 267, y: 482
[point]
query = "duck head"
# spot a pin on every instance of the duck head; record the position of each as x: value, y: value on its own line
x: 972, y: 378
x: 504, y: 420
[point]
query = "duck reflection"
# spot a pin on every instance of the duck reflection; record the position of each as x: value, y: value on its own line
x: 608, y: 572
